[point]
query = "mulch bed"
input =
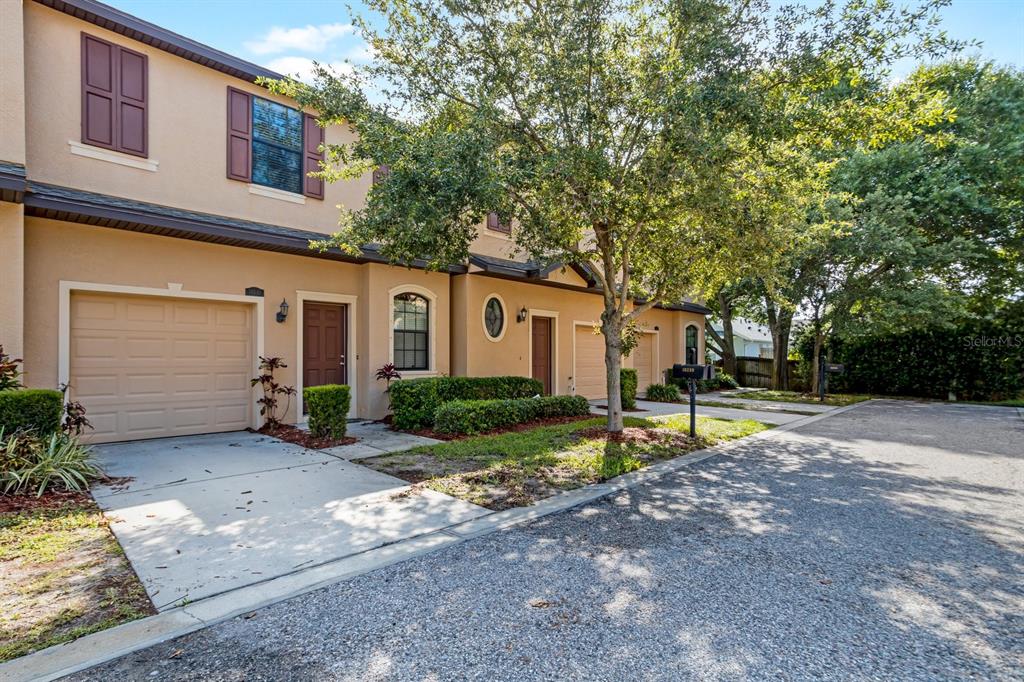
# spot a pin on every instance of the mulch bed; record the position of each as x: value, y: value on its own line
x: 293, y: 434
x: 525, y: 426
x: 634, y: 434
x: 50, y: 500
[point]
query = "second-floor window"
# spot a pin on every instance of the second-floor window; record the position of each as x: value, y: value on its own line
x: 273, y: 145
x: 276, y: 145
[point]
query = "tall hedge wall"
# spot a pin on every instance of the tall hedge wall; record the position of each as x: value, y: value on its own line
x: 978, y: 360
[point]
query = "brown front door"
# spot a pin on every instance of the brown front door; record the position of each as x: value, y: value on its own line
x: 541, y: 341
x: 324, y: 350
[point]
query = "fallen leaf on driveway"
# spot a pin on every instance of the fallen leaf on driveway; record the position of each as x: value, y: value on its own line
x: 540, y: 603
x: 177, y: 652
x: 825, y: 581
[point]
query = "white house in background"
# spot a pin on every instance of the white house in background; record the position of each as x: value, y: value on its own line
x: 751, y: 340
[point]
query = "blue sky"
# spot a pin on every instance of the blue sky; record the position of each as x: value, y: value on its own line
x: 286, y: 35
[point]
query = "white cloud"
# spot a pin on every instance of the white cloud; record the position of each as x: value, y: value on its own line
x: 308, y: 38
x: 302, y: 67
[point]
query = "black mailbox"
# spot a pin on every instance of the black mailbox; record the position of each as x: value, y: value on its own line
x: 834, y: 368
x: 693, y: 372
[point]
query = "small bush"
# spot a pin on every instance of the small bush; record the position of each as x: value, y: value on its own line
x: 415, y: 401
x: 478, y: 416
x: 629, y: 380
x: 665, y: 393
x: 30, y: 462
x: 32, y: 409
x: 328, y: 409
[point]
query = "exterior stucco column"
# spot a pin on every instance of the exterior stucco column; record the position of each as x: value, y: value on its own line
x: 12, y: 278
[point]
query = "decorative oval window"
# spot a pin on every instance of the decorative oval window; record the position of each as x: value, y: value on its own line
x: 494, y: 317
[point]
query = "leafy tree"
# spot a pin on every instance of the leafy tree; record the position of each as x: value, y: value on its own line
x: 613, y: 134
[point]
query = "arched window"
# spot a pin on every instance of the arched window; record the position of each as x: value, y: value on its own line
x: 691, y: 345
x: 411, y: 332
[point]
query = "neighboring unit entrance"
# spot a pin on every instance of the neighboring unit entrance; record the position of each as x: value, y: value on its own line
x: 588, y: 362
x: 324, y: 341
x: 540, y: 340
x: 644, y: 362
x: 153, y: 366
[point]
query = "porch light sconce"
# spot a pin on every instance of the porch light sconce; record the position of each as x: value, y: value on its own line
x: 521, y: 316
x: 282, y: 313
x: 657, y: 328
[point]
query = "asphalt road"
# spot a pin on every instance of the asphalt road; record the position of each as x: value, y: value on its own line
x: 886, y: 542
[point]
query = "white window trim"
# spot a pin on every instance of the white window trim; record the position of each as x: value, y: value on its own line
x: 274, y: 193
x: 432, y: 331
x: 504, y: 322
x: 553, y: 314
x: 350, y: 345
x: 172, y: 291
x: 110, y: 156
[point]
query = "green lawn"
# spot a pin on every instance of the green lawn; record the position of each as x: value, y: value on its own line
x: 518, y: 468
x: 62, y: 574
x: 836, y: 399
x: 1018, y: 402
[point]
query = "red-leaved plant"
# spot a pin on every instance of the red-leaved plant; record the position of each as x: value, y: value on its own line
x: 388, y: 373
x: 272, y: 390
x: 74, y: 415
x: 10, y: 374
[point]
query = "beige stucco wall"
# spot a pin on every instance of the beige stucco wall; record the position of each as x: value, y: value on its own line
x: 478, y: 355
x: 58, y: 251
x: 12, y: 76
x: 187, y: 132
x: 12, y: 251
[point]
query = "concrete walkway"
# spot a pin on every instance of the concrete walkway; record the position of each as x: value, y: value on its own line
x: 202, y: 515
x: 653, y: 409
x: 884, y: 542
x: 735, y: 398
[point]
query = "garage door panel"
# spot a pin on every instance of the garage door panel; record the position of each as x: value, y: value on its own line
x: 160, y: 367
x: 590, y: 380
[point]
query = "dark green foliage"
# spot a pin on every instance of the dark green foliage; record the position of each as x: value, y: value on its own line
x: 415, y: 401
x: 665, y: 393
x: 722, y: 381
x: 32, y: 409
x: 478, y: 416
x: 629, y: 381
x: 977, y: 360
x: 328, y: 409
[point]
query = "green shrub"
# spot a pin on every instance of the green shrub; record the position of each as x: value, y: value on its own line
x: 415, y: 401
x: 328, y: 409
x: 665, y: 393
x: 478, y: 416
x: 30, y: 462
x: 628, y: 379
x: 32, y: 409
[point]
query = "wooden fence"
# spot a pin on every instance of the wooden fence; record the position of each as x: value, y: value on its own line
x: 754, y: 372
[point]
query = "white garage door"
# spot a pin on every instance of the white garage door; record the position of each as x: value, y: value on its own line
x: 588, y: 351
x: 147, y: 366
x: 644, y: 361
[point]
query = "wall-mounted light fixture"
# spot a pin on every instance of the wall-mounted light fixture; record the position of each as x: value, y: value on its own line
x: 521, y: 315
x: 282, y: 312
x: 657, y: 328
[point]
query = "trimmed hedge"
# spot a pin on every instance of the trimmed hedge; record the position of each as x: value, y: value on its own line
x: 628, y: 380
x: 665, y: 393
x: 415, y: 401
x: 477, y: 416
x: 31, y: 409
x: 328, y: 409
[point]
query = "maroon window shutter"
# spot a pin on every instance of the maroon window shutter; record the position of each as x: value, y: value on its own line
x: 239, y: 135
x: 313, y: 137
x: 132, y: 94
x: 494, y: 223
x: 98, y: 99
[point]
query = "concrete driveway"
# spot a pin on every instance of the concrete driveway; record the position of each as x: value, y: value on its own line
x: 766, y: 414
x: 203, y: 515
x: 881, y: 543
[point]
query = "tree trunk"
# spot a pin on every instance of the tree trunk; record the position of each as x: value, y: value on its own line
x: 728, y: 343
x: 819, y: 342
x: 611, y: 329
x: 780, y: 321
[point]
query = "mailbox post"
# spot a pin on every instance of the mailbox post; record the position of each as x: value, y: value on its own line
x: 826, y: 369
x: 693, y: 374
